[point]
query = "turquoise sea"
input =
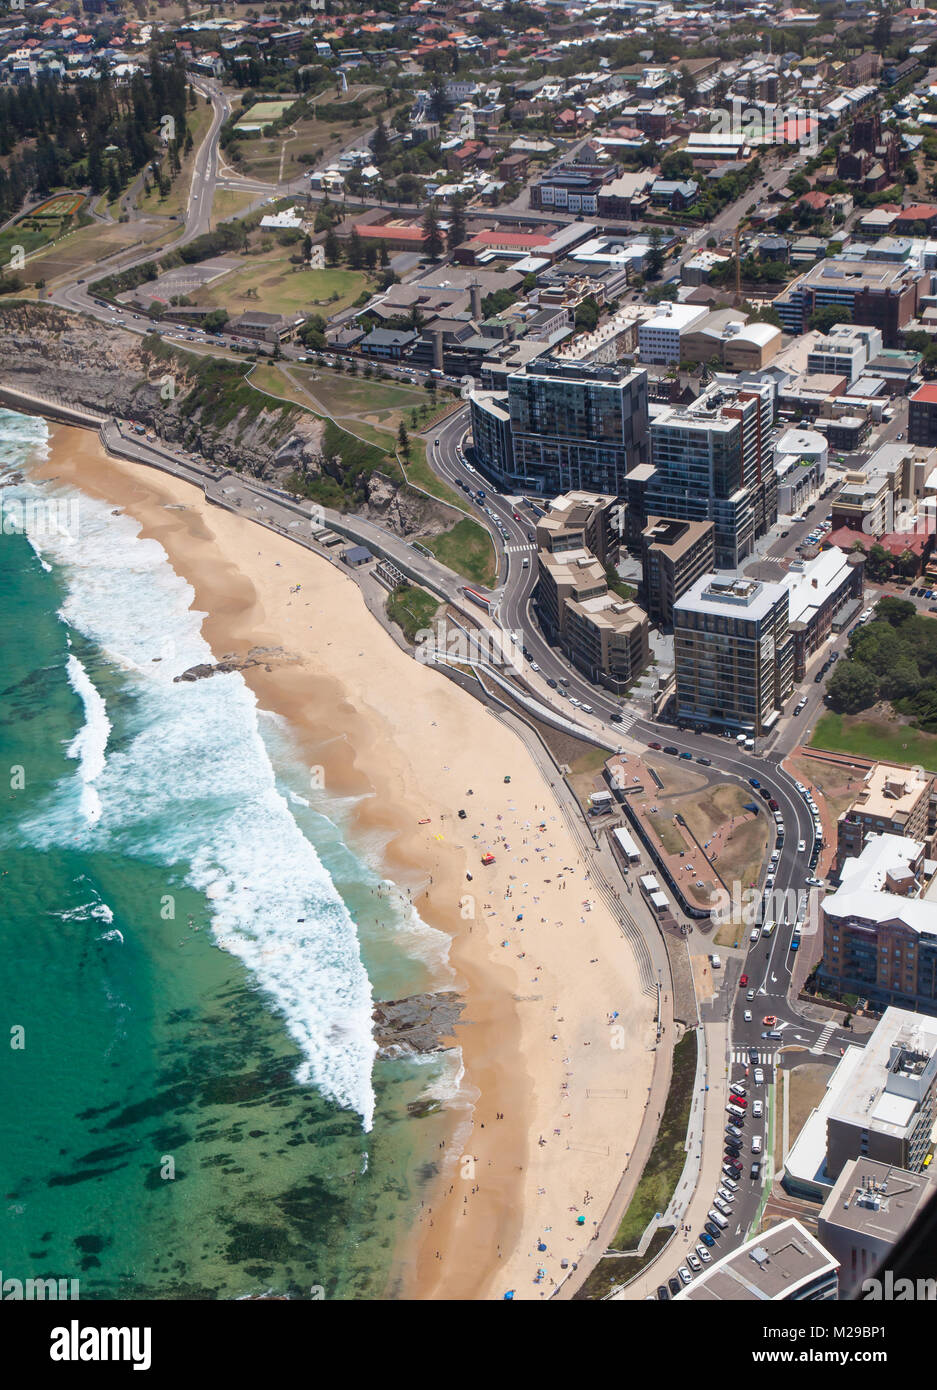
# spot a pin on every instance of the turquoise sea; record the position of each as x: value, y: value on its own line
x: 190, y: 944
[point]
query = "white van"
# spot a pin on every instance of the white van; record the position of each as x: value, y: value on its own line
x: 718, y: 1217
x: 756, y: 1143
x: 736, y: 1110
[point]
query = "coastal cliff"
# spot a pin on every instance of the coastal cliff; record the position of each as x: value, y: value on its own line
x: 201, y: 404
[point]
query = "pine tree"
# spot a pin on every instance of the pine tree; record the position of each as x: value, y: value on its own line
x: 457, y: 221
x: 380, y: 143
x: 403, y: 441
x: 331, y: 248
x: 382, y: 249
x: 432, y: 233
x: 355, y: 253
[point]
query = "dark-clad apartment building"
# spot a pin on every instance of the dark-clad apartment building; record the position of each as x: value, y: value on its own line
x: 922, y: 416
x: 572, y: 428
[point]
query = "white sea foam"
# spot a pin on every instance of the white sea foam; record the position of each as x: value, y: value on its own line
x: 89, y: 745
x: 188, y: 782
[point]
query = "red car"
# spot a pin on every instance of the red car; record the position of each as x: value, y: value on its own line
x: 769, y: 1020
x: 738, y: 1100
x: 773, y: 804
x: 654, y: 745
x: 743, y: 981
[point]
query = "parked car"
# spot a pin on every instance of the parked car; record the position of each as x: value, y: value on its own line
x: 743, y: 981
x: 758, y: 1076
x: 674, y: 1284
x: 757, y: 1110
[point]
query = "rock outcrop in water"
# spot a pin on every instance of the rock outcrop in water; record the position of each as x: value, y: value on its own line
x: 417, y: 1024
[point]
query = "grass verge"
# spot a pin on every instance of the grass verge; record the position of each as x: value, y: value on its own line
x: 467, y: 549
x: 411, y: 609
x: 667, y: 1158
x: 875, y: 739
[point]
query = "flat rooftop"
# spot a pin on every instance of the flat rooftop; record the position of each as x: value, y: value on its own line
x: 771, y: 1267
x: 876, y: 1199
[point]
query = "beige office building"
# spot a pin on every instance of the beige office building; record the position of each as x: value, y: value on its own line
x: 893, y: 801
x: 674, y: 554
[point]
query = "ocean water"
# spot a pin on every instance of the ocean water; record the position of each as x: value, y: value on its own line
x: 190, y: 946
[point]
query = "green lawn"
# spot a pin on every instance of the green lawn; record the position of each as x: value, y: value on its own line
x: 263, y: 112
x: 467, y: 549
x: 282, y: 288
x: 611, y: 1272
x: 875, y: 739
x: 412, y: 609
x: 667, y: 1158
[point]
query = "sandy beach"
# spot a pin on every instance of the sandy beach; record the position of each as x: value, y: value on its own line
x: 555, y: 1035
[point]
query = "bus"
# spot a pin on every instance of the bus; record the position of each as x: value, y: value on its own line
x: 767, y: 929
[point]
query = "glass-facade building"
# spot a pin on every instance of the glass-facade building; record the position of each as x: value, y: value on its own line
x: 576, y: 428
x: 713, y: 461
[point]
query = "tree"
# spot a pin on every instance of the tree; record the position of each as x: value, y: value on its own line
x: 687, y: 87
x: 382, y: 252
x: 380, y: 143
x: 828, y: 315
x: 852, y: 687
x: 654, y: 260
x: 403, y: 441
x: 587, y: 314
x: 331, y: 248
x: 433, y: 243
x: 457, y: 221
x: 307, y: 248
x: 354, y: 251
x: 215, y: 320
x: 894, y: 611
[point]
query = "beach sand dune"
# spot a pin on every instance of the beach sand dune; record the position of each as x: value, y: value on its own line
x: 556, y: 1036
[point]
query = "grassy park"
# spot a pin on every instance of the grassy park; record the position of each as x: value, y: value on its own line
x: 412, y: 609
x: 274, y: 284
x: 880, y: 740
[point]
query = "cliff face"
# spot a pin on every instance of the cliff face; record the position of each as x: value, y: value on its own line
x: 199, y: 403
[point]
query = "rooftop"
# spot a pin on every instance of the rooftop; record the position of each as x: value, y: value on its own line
x: 772, y: 1266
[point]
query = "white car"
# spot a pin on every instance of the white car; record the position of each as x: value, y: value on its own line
x: 586, y: 709
x: 757, y: 1109
x: 685, y: 1274
x: 758, y: 1076
x: 801, y: 846
x: 534, y: 666
x: 814, y: 882
x: 725, y: 1194
x: 694, y: 1263
x: 704, y: 1254
x: 731, y: 1184
x: 738, y: 1088
x: 747, y: 1016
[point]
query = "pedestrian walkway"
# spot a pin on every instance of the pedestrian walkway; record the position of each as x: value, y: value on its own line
x: 828, y: 1030
x: 765, y: 1059
x: 519, y: 549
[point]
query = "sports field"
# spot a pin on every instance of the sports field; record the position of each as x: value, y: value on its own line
x: 277, y: 286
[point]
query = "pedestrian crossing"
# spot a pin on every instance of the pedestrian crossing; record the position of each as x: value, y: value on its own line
x: 820, y: 1045
x: 519, y: 549
x: 765, y: 1059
